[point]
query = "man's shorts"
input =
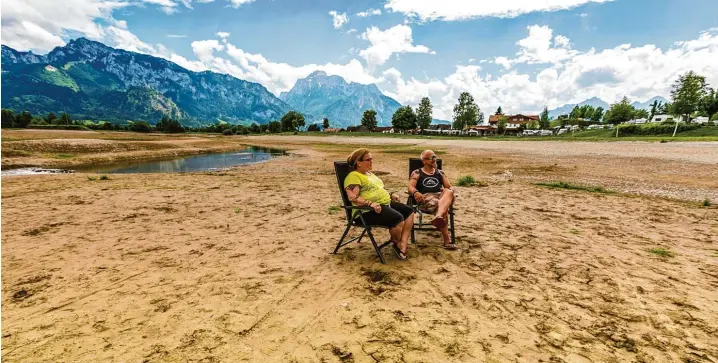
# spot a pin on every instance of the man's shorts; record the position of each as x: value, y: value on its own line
x: 431, y: 203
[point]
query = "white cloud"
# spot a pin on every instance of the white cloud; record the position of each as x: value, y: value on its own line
x: 237, y: 3
x: 176, y: 36
x: 338, y: 19
x: 350, y: 31
x: 462, y: 9
x: 396, y: 39
x: 583, y: 15
x: 639, y: 72
x: 223, y: 35
x: 277, y: 77
x: 472, y: 60
x: 369, y: 12
x: 538, y: 48
x: 503, y: 61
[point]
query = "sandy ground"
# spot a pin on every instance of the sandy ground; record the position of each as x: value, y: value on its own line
x: 237, y: 266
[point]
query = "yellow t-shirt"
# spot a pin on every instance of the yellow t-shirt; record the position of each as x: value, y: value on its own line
x: 371, y: 188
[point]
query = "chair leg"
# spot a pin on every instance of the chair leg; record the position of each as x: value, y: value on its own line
x: 346, y: 231
x: 413, y: 237
x: 376, y: 246
x: 453, y: 233
x: 361, y: 236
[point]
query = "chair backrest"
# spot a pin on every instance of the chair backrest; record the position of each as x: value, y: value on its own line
x: 416, y: 163
x: 342, y: 169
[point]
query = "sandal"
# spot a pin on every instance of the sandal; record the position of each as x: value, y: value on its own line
x: 450, y: 246
x: 439, y: 222
x: 399, y: 254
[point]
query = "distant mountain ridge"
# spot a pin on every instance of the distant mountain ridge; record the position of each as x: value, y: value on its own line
x: 596, y: 102
x: 91, y: 80
x: 342, y: 102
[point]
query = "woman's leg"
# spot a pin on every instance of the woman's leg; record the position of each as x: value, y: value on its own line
x: 407, y: 214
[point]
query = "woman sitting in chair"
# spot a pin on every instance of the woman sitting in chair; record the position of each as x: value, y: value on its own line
x: 366, y: 189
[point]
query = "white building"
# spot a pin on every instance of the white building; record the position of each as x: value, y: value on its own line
x: 661, y: 118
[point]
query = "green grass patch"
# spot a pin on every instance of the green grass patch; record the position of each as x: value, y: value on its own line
x: 237, y: 210
x: 707, y: 203
x: 660, y: 251
x: 565, y: 185
x: 466, y: 181
x: 334, y: 209
x: 104, y: 177
x: 63, y: 156
x: 91, y: 178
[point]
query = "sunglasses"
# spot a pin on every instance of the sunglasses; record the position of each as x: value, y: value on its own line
x: 368, y: 159
x: 433, y: 157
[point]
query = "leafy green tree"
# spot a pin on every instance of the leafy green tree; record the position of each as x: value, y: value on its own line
x: 325, y: 123
x: 533, y: 125
x: 51, y: 117
x: 640, y: 113
x: 22, y: 120
x: 597, y: 114
x: 424, y: 113
x: 501, y: 124
x: 292, y: 120
x: 8, y: 118
x: 65, y: 119
x: 313, y: 127
x: 620, y: 112
x: 544, y: 120
x: 466, y: 112
x: 140, y: 126
x: 655, y: 109
x: 575, y: 113
x: 274, y: 127
x: 687, y: 93
x: 709, y: 103
x: 499, y: 111
x: 368, y: 119
x: 254, y: 128
x: 170, y: 126
x: 263, y: 128
x: 404, y: 118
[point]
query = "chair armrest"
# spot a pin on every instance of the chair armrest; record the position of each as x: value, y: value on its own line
x: 357, y: 207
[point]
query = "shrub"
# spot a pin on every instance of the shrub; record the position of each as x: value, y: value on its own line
x: 653, y: 129
x: 104, y: 177
x: 334, y: 209
x: 227, y: 132
x: 707, y: 203
x: 660, y: 251
x: 465, y: 181
x: 140, y: 126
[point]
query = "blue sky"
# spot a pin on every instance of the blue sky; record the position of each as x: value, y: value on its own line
x: 523, y: 54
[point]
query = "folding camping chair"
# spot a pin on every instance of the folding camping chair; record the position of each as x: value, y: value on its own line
x: 416, y: 163
x: 341, y: 169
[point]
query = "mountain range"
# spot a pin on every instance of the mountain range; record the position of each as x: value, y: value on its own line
x: 89, y: 80
x: 342, y: 102
x: 597, y: 102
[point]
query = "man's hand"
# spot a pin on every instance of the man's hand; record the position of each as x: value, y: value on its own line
x: 419, y: 197
x: 395, y: 198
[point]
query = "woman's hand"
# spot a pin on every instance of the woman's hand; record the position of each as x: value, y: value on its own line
x: 377, y: 207
x: 395, y: 198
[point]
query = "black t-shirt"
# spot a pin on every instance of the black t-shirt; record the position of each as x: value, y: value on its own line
x: 430, y: 183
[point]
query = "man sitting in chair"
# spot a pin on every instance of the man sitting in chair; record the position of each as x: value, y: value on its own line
x: 431, y: 188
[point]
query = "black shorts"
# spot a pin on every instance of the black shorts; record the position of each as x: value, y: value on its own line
x: 390, y: 215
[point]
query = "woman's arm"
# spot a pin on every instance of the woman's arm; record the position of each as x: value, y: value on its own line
x: 353, y: 194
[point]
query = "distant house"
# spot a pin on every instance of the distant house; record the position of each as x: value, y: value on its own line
x: 333, y: 130
x: 439, y: 127
x: 700, y: 120
x: 482, y: 130
x: 384, y: 129
x: 514, y: 123
x: 661, y: 118
x: 357, y: 129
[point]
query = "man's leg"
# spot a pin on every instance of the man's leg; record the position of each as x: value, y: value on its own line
x: 445, y: 201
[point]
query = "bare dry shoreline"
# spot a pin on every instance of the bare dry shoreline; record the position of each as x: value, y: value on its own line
x: 236, y: 266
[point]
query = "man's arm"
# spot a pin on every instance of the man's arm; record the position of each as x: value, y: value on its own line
x: 446, y: 182
x: 413, y: 180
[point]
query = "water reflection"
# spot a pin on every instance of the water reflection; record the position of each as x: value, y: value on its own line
x: 209, y: 162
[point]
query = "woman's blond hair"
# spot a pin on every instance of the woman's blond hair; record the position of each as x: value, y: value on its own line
x: 356, y: 155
